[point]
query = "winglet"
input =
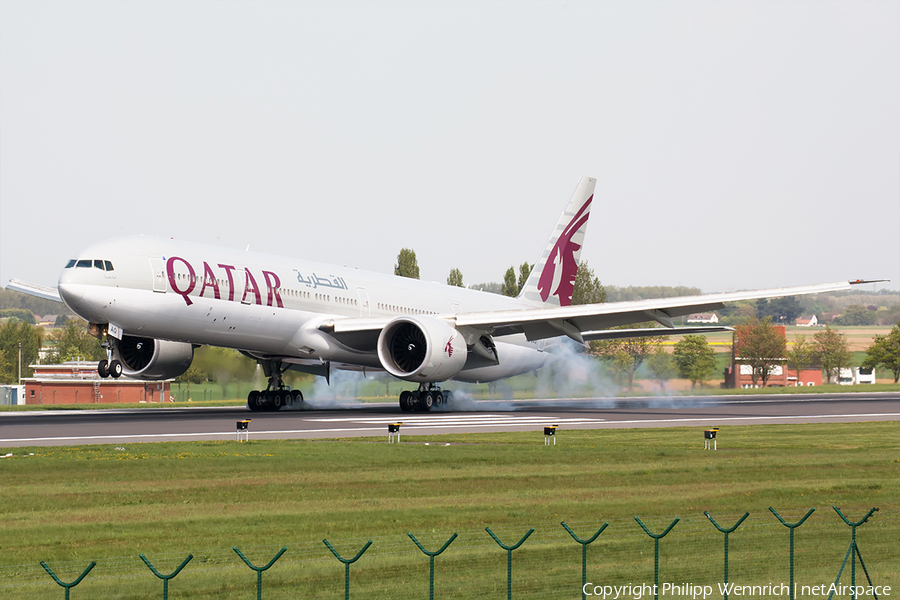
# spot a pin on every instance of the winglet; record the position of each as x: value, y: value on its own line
x: 552, y: 280
x: 862, y: 281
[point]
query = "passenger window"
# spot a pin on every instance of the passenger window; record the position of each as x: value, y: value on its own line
x: 84, y: 264
x: 108, y: 264
x: 71, y: 263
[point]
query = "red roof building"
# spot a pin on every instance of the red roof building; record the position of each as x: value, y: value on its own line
x: 77, y: 382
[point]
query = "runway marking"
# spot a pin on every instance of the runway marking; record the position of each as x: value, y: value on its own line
x: 717, y: 420
x: 461, y: 420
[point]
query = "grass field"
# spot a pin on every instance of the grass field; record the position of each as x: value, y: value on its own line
x: 69, y: 506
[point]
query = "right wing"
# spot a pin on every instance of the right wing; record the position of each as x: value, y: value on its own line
x: 585, y: 321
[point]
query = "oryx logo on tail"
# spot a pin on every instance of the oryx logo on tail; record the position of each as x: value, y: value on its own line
x: 552, y: 281
x: 558, y: 276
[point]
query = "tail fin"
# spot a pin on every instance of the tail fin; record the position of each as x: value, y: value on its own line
x: 552, y: 280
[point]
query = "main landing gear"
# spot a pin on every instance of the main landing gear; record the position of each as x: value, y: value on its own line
x: 425, y: 398
x: 276, y: 395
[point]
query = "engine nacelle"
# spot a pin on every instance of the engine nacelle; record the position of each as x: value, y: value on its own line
x: 149, y: 359
x: 421, y: 349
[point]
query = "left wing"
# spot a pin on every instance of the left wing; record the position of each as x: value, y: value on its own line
x: 583, y: 322
x: 33, y: 289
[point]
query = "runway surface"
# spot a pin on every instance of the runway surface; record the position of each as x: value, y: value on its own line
x: 112, y: 426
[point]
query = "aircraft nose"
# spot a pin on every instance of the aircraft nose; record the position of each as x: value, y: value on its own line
x: 71, y: 293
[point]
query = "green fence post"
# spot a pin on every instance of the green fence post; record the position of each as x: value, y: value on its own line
x: 792, y: 527
x: 68, y: 586
x: 509, y: 550
x: 726, y: 532
x: 584, y: 545
x: 166, y: 578
x: 656, y: 537
x: 347, y: 564
x: 431, y: 555
x: 259, y: 570
x: 852, y: 554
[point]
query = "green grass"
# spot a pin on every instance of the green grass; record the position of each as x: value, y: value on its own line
x: 71, y: 505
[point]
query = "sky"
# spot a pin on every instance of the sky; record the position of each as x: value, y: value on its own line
x: 736, y: 145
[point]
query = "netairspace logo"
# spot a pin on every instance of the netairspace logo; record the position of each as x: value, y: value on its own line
x: 690, y: 590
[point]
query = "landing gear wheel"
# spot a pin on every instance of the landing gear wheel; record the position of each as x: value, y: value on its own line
x: 276, y: 400
x: 115, y: 369
x: 103, y: 369
x: 438, y: 399
x: 448, y: 399
x: 405, y: 401
x: 295, y: 398
x: 426, y: 401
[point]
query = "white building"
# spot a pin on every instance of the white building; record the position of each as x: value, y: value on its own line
x: 702, y: 318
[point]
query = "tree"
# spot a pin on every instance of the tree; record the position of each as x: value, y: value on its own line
x: 661, y: 367
x: 696, y: 361
x: 760, y: 345
x: 510, y: 286
x: 18, y: 313
x: 12, y: 333
x: 857, y: 314
x: 885, y: 351
x: 455, y: 278
x: 832, y: 352
x: 625, y: 356
x: 801, y: 355
x: 406, y: 264
x: 588, y: 289
x: 785, y: 310
x: 524, y: 272
x: 73, y: 342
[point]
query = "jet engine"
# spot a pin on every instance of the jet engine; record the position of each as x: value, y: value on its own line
x: 421, y: 349
x: 149, y: 359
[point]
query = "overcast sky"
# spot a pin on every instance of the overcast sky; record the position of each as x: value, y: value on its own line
x: 736, y: 145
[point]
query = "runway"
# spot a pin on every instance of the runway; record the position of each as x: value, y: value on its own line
x: 112, y: 426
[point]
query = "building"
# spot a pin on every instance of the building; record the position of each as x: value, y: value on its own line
x: 807, y: 321
x: 740, y: 375
x: 702, y: 318
x: 77, y: 382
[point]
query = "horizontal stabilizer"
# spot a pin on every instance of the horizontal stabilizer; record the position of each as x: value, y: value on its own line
x: 615, y: 334
x: 33, y: 289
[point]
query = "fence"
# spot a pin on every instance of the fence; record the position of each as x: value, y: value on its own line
x: 658, y: 556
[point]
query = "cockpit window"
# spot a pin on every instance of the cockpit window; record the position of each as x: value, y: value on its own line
x: 98, y: 264
x: 71, y: 263
x: 108, y: 264
x: 84, y: 263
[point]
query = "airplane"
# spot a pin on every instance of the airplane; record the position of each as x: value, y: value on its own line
x: 155, y: 300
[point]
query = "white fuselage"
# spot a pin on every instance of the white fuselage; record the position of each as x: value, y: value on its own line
x: 264, y: 305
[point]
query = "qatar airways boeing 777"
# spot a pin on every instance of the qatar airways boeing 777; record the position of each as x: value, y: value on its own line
x: 155, y: 299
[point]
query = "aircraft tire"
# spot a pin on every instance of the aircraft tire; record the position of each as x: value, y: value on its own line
x: 405, y: 403
x: 296, y: 398
x: 426, y: 401
x: 275, y: 400
x: 448, y: 400
x: 103, y: 369
x: 115, y: 369
x: 438, y: 399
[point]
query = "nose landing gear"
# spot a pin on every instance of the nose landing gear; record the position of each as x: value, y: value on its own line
x: 109, y: 367
x: 425, y: 398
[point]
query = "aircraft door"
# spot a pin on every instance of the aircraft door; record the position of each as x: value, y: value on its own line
x: 158, y: 268
x: 363, y: 302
